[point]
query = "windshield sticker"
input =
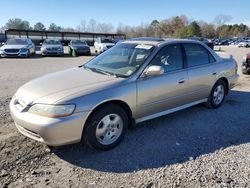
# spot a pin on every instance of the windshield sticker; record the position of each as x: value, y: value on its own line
x: 129, y: 72
x: 143, y: 46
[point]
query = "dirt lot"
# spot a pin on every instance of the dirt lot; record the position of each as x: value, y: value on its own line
x: 193, y: 148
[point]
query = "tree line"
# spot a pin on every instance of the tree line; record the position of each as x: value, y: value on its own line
x: 181, y: 27
x: 84, y: 26
x: 177, y: 27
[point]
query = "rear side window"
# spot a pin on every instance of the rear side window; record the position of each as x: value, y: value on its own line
x: 169, y: 57
x: 196, y: 55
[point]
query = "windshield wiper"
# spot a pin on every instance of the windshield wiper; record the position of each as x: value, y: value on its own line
x: 101, y: 71
x: 104, y: 72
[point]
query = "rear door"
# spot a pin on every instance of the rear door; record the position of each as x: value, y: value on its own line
x: 201, y: 71
x: 159, y: 93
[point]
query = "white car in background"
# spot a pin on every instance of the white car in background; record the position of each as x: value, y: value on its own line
x: 17, y: 47
x: 244, y: 44
x: 102, y: 45
x: 52, y: 47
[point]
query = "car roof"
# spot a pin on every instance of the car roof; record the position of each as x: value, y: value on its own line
x: 157, y: 42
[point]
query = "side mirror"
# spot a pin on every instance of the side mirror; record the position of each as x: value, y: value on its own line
x: 153, y: 70
x: 41, y: 43
x: 3, y: 43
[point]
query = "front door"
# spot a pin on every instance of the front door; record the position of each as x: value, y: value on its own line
x: 157, y: 94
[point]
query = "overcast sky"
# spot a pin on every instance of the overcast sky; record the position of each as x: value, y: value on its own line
x: 128, y: 12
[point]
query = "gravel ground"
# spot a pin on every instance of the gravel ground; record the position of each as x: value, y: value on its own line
x: 196, y: 147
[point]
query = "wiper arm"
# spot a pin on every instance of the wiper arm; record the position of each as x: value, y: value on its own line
x: 98, y: 70
x: 104, y: 72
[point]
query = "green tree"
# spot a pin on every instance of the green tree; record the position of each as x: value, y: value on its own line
x: 17, y: 23
x: 207, y: 30
x: 54, y: 27
x: 194, y: 29
x: 39, y: 27
x: 182, y: 32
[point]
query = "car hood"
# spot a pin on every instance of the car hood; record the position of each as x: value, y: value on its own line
x: 54, y: 87
x: 6, y: 46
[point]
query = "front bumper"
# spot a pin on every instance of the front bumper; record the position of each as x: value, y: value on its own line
x: 245, y: 69
x: 51, y: 131
x: 46, y: 52
x: 18, y: 54
x: 83, y: 51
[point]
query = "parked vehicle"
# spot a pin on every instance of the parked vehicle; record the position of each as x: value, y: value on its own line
x: 244, y: 44
x: 102, y: 45
x: 80, y: 47
x: 205, y: 41
x: 52, y: 47
x: 17, y: 47
x: 224, y: 43
x: 245, y: 67
x: 132, y: 82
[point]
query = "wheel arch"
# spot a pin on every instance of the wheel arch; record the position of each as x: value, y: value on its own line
x: 225, y: 80
x: 117, y: 102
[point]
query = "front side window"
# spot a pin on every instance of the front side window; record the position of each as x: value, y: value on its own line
x: 121, y: 60
x: 196, y: 54
x: 170, y: 58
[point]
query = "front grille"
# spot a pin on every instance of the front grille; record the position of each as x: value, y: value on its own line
x: 11, y: 50
x: 53, y: 49
x: 81, y: 48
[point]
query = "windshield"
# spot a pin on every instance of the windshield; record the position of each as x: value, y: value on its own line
x: 17, y: 42
x: 52, y: 42
x: 122, y: 60
x: 107, y: 41
x: 78, y: 42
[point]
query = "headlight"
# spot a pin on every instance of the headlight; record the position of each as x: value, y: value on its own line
x: 43, y: 49
x: 23, y: 50
x: 52, y: 111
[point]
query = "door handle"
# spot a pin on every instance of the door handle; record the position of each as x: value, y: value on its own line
x: 181, y: 81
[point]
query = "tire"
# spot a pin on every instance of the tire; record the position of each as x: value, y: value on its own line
x: 244, y: 71
x: 28, y: 54
x: 101, y: 131
x: 216, y: 100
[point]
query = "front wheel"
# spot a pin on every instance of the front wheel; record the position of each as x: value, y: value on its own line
x: 217, y: 95
x: 106, y: 127
x: 28, y: 54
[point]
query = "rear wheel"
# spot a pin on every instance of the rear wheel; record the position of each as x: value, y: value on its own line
x: 106, y: 127
x: 217, y: 95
